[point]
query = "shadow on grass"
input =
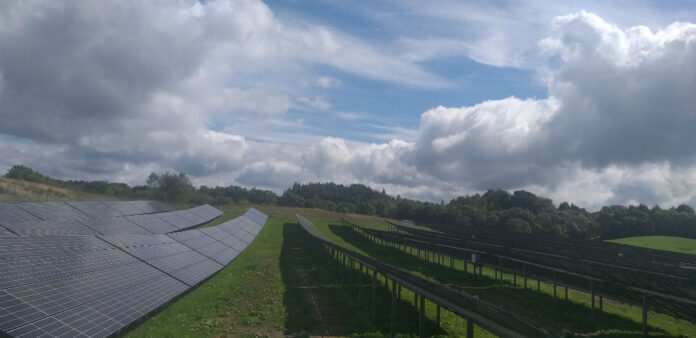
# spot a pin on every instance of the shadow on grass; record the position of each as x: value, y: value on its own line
x: 323, y: 300
x: 571, y: 317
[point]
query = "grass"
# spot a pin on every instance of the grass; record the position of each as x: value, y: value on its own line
x: 668, y: 243
x: 15, y: 191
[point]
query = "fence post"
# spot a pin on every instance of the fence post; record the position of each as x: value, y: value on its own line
x: 469, y: 328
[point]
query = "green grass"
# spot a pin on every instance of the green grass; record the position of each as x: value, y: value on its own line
x: 668, y: 243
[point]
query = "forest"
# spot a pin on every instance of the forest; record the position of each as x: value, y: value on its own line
x: 496, y: 209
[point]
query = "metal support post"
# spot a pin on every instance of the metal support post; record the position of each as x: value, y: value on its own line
x: 421, y: 318
x: 393, y: 310
x: 374, y: 294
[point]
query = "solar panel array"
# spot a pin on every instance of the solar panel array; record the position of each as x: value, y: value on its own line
x: 95, y: 285
x: 99, y: 218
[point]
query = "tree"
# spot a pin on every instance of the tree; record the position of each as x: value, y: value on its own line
x: 171, y: 186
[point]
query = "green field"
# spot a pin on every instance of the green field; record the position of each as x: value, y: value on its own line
x: 676, y: 244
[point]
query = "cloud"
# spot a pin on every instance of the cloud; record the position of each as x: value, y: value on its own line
x: 318, y: 102
x: 328, y: 82
x: 86, y: 94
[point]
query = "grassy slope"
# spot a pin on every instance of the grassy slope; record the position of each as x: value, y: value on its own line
x: 676, y: 244
x: 14, y: 191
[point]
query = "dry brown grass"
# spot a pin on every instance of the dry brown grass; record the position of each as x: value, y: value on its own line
x: 14, y: 191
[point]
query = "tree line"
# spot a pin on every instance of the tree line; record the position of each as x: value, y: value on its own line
x: 496, y: 209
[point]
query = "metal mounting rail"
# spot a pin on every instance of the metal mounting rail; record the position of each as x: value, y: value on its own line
x: 499, y: 321
x: 682, y: 307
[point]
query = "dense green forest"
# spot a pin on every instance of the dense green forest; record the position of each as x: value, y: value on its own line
x: 495, y: 209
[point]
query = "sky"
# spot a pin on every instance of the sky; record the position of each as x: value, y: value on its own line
x: 590, y: 102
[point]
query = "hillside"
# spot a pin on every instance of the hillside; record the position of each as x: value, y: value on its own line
x: 14, y: 191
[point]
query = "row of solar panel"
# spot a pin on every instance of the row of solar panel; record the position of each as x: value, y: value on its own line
x: 93, y: 286
x: 146, y: 224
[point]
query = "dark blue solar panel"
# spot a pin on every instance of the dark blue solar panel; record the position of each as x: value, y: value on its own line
x: 152, y: 223
x: 189, y: 266
x: 95, y: 209
x: 51, y: 228
x: 125, y: 207
x: 11, y: 213
x: 123, y: 241
x: 175, y: 220
x: 157, y: 206
x: 38, y: 300
x: 5, y: 232
x: 50, y: 245
x: 11, y: 276
x: 114, y: 226
x: 47, y: 267
x: 53, y: 211
x: 106, y: 315
x: 85, y: 286
x: 225, y: 256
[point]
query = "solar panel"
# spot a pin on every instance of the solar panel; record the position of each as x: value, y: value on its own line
x: 189, y: 266
x: 225, y: 256
x: 157, y: 206
x: 123, y: 241
x: 106, y: 315
x: 48, y: 245
x: 175, y: 220
x: 114, y: 226
x: 152, y: 223
x: 125, y: 207
x: 11, y: 276
x: 192, y: 218
x: 53, y: 211
x: 51, y: 228
x: 47, y: 267
x: 256, y: 216
x: 35, y: 301
x: 95, y: 209
x: 5, y: 232
x: 196, y: 273
x: 11, y: 213
x: 95, y: 285
x: 199, y: 241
